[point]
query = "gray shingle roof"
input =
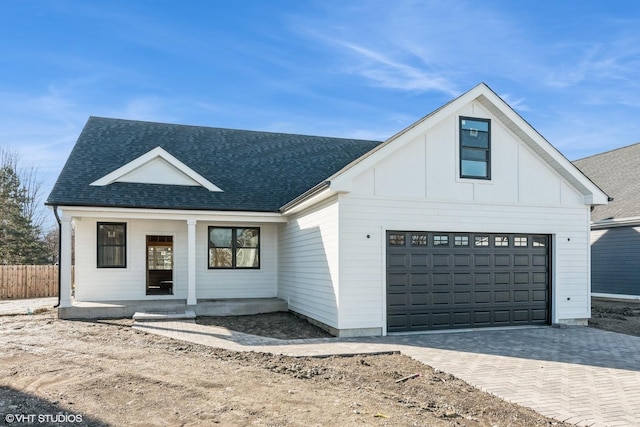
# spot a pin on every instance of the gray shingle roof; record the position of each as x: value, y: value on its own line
x: 617, y: 173
x: 258, y: 171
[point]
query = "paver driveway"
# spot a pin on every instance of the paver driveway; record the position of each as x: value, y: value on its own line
x: 580, y: 375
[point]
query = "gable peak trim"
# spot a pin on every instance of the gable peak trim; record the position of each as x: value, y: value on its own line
x: 150, y: 156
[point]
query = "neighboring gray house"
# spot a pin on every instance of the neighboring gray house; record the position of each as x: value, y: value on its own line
x: 615, y: 227
x: 467, y: 218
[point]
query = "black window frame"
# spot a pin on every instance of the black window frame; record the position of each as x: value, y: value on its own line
x: 234, y: 248
x: 101, y: 244
x: 463, y: 149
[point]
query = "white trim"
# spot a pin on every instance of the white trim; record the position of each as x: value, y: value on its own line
x: 615, y: 222
x: 157, y: 152
x: 172, y: 214
x: 615, y: 296
x: 342, y: 180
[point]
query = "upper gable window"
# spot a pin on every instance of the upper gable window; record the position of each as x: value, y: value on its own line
x: 475, y: 148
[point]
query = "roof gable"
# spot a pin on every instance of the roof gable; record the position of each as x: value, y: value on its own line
x: 342, y: 180
x: 618, y: 173
x: 156, y: 167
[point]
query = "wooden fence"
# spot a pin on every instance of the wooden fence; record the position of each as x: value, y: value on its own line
x: 28, y: 281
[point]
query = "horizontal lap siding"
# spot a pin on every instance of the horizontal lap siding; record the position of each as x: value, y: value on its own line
x: 237, y: 283
x: 308, y: 263
x: 614, y: 261
x: 105, y: 284
x: 362, y: 290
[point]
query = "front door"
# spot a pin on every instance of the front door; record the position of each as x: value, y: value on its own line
x: 159, y: 265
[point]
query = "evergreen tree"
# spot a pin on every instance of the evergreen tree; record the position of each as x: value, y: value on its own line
x: 20, y: 239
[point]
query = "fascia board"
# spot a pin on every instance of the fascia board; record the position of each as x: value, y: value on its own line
x: 172, y: 214
x: 523, y: 130
x: 149, y: 156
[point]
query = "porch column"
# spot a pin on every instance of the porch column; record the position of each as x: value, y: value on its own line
x: 191, y: 262
x: 64, y: 263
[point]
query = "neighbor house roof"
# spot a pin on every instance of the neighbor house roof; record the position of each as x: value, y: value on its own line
x: 617, y: 172
x: 255, y: 171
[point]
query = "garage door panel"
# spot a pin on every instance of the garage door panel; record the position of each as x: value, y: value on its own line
x: 462, y: 279
x: 441, y: 260
x: 502, y: 260
x: 418, y: 261
x: 441, y: 298
x: 481, y: 260
x: 462, y: 260
x: 453, y: 280
x: 397, y: 260
x: 461, y: 297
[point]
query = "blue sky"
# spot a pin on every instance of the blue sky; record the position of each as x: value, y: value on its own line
x: 363, y: 69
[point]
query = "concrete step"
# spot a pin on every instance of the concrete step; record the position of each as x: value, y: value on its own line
x: 163, y: 315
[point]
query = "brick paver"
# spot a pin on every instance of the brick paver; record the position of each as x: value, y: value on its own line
x: 580, y: 375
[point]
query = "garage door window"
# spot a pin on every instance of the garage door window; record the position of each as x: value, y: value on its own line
x: 396, y: 239
x: 418, y: 240
x: 482, y: 241
x: 461, y: 240
x: 520, y: 241
x: 540, y: 241
x: 501, y: 241
x: 440, y: 240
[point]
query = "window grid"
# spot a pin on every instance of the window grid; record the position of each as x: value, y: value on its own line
x: 440, y: 240
x: 475, y: 148
x: 461, y: 240
x: 418, y: 240
x: 482, y: 241
x: 234, y: 248
x: 501, y: 241
x: 112, y: 245
x: 520, y: 241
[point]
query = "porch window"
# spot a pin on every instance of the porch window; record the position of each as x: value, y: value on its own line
x: 112, y: 245
x: 231, y: 247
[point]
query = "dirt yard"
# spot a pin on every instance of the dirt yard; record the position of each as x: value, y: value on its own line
x: 56, y: 372
x: 617, y: 316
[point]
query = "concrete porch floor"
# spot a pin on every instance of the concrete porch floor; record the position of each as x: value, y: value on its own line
x: 204, y: 307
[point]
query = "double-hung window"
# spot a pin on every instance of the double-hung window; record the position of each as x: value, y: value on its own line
x: 112, y: 245
x: 475, y: 148
x: 231, y: 247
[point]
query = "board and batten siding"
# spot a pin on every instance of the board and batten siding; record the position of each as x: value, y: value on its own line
x: 112, y: 284
x: 308, y: 262
x: 615, y: 266
x: 417, y: 188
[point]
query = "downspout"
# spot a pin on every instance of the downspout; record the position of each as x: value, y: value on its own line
x: 55, y: 212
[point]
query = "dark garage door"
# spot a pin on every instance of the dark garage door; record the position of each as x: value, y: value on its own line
x: 443, y: 280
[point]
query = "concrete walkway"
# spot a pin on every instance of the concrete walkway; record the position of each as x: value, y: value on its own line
x: 583, y: 376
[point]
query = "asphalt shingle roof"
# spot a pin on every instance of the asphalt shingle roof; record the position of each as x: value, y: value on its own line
x: 617, y: 173
x: 257, y: 171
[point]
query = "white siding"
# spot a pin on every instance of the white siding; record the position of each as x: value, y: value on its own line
x: 238, y: 283
x: 110, y: 284
x: 418, y: 188
x: 362, y: 280
x: 308, y: 262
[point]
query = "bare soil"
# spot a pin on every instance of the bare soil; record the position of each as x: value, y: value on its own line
x: 104, y: 373
x: 621, y: 316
